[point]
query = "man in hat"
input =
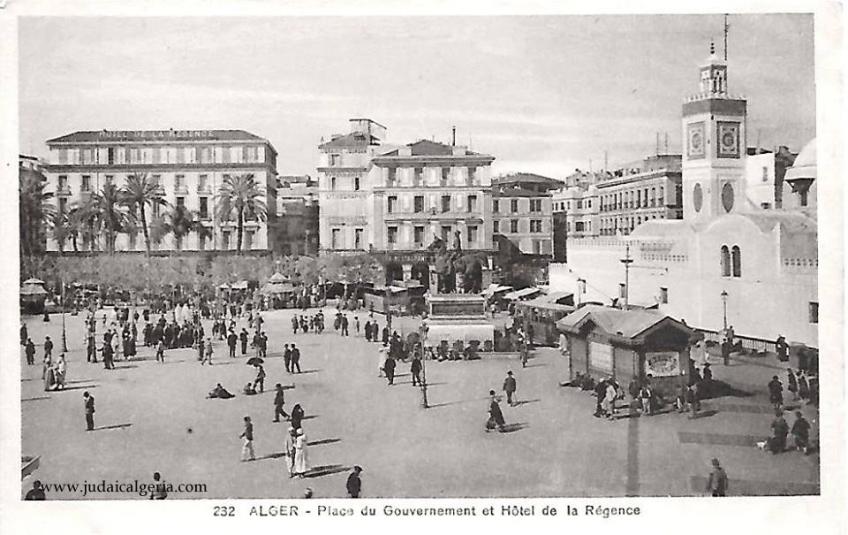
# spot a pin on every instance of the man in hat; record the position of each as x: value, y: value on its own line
x: 279, y: 401
x: 295, y: 358
x: 243, y: 340
x: 354, y: 483
x: 801, y: 432
x: 717, y: 482
x: 510, y: 387
x: 88, y: 404
x: 780, y: 430
x: 415, y: 369
x: 247, y: 453
x: 232, y: 341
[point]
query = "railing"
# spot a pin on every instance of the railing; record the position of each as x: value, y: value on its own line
x: 749, y: 343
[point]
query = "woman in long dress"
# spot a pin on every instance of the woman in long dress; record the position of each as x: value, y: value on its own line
x: 60, y: 370
x: 291, y: 439
x: 301, y: 459
x: 609, y: 401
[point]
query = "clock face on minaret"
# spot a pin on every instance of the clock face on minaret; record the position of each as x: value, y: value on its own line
x: 728, y: 139
x: 695, y: 140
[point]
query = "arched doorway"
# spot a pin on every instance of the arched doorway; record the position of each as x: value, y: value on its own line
x: 421, y: 273
x: 394, y: 272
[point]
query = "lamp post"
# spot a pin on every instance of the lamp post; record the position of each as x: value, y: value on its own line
x: 64, y: 332
x: 724, y: 306
x: 627, y: 261
x: 422, y: 330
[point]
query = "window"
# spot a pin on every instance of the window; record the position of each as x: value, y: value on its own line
x: 179, y: 182
x: 513, y: 205
x: 180, y: 202
x: 110, y: 179
x: 513, y: 225
x: 225, y: 240
x: 664, y: 295
x: 814, y: 312
x: 202, y: 242
x: 204, y: 208
x: 356, y: 183
x: 391, y: 235
x: 392, y: 204
x: 63, y: 205
x: 472, y: 174
x: 418, y: 175
x: 472, y: 234
x: 157, y: 179
x: 248, y: 239
x: 535, y: 205
x: 445, y: 175
x: 86, y: 183
x: 333, y: 183
x: 736, y: 256
x: 392, y: 175
x: 535, y: 225
x: 335, y: 160
x: 133, y: 239
x: 579, y: 205
x: 251, y: 154
x: 336, y: 238
x: 63, y: 182
x: 446, y: 232
x: 155, y: 209
x: 472, y: 203
x: 496, y: 227
x: 446, y: 202
x: 418, y: 235
x: 202, y: 183
x: 357, y: 238
x: 725, y: 261
x: 419, y: 204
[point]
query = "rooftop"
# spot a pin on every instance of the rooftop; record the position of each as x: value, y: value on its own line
x: 123, y: 136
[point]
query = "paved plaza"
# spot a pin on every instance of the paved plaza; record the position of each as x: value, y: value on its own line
x: 155, y: 417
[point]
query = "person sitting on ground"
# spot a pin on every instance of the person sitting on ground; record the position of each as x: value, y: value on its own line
x: 249, y: 390
x: 219, y: 392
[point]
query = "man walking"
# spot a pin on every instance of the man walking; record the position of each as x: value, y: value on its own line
x: 775, y: 388
x: 801, y: 432
x: 232, y: 341
x: 279, y: 401
x: 48, y: 348
x: 88, y: 402
x: 287, y: 358
x: 29, y: 350
x: 295, y: 358
x: 160, y: 352
x: 415, y: 369
x: 354, y: 483
x: 717, y: 482
x: 344, y: 325
x: 389, y: 369
x: 243, y: 340
x: 510, y: 387
x: 247, y: 453
x: 90, y: 348
x: 780, y: 430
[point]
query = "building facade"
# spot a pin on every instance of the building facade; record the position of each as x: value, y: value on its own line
x: 296, y: 229
x: 522, y: 211
x: 578, y: 208
x: 189, y: 165
x: 728, y: 253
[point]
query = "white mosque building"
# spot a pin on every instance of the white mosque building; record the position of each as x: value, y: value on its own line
x: 729, y: 261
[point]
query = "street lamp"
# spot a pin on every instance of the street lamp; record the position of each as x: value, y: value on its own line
x: 724, y: 304
x: 626, y: 261
x: 64, y: 333
x: 422, y: 330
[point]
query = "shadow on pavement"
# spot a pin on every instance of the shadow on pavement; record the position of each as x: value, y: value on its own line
x: 272, y: 456
x: 326, y: 470
x: 35, y: 399
x: 307, y: 371
x: 309, y: 417
x: 703, y: 414
x: 526, y: 402
x: 79, y: 387
x: 323, y: 441
x: 721, y: 389
x: 116, y: 426
x: 512, y: 428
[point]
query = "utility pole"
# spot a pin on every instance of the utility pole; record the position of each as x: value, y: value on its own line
x: 627, y: 261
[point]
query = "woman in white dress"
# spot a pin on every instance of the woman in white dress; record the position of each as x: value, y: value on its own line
x: 60, y: 370
x: 291, y: 439
x: 301, y: 459
x: 608, y: 403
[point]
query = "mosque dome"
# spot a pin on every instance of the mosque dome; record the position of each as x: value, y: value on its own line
x: 804, y: 166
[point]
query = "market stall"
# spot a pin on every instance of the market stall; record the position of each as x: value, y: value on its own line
x: 542, y: 313
x: 627, y: 345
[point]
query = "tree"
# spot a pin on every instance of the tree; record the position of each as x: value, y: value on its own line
x: 242, y: 197
x: 112, y: 214
x: 35, y: 211
x: 85, y: 219
x: 61, y: 229
x: 181, y: 222
x: 142, y: 191
x: 159, y: 228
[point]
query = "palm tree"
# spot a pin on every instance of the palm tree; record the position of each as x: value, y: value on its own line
x: 141, y: 191
x: 114, y: 218
x: 240, y: 196
x: 35, y: 211
x: 86, y: 221
x: 159, y: 228
x: 181, y: 222
x: 61, y: 229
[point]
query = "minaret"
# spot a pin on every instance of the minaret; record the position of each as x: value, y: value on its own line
x: 714, y: 131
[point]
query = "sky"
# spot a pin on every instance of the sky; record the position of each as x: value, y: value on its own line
x: 544, y: 94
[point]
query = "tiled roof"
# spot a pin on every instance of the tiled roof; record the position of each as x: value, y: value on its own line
x: 624, y: 323
x: 118, y: 136
x: 426, y: 147
x: 516, y: 178
x: 355, y: 139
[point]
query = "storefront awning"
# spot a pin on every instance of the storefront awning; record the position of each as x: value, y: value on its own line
x: 524, y: 293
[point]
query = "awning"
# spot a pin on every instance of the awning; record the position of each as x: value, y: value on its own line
x: 32, y: 289
x: 33, y: 281
x: 524, y: 293
x: 465, y: 332
x: 494, y: 289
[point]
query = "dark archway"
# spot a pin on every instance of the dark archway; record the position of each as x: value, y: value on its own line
x: 394, y: 272
x: 421, y: 273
